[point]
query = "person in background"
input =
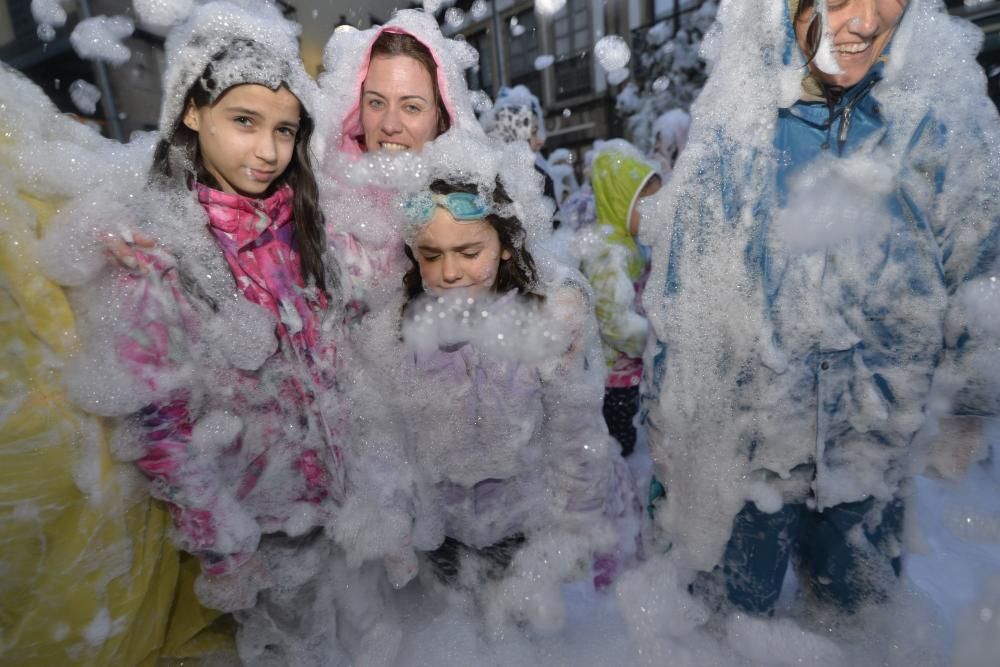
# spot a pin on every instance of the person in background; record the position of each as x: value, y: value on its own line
x: 670, y: 134
x: 517, y: 115
x: 563, y: 174
x: 617, y: 268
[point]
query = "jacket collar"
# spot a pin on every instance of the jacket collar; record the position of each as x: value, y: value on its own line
x: 245, y: 218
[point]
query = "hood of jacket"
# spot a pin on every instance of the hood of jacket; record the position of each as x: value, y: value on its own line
x: 213, y: 27
x: 346, y: 59
x: 618, y: 179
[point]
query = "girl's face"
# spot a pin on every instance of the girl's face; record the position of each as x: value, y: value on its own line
x: 453, y: 254
x: 861, y: 29
x: 398, y: 108
x: 247, y: 138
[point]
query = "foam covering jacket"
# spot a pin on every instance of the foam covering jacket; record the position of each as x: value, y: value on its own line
x: 219, y: 361
x: 511, y: 441
x: 779, y: 352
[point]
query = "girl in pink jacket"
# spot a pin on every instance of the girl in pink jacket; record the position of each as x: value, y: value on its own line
x: 219, y: 353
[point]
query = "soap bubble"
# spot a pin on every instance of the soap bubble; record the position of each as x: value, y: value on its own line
x: 612, y: 52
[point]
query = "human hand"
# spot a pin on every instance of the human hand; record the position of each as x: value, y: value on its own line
x: 120, y: 249
x: 236, y: 589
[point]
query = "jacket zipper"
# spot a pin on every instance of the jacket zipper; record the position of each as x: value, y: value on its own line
x: 846, y: 113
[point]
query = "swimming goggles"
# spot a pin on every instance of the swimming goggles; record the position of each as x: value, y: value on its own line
x: 463, y: 206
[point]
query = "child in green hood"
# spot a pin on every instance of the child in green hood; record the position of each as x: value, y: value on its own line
x: 617, y: 268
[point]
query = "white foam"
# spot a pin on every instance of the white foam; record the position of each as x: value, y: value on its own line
x: 162, y: 13
x: 549, y: 7
x: 454, y: 17
x: 48, y: 12
x: 85, y: 96
x: 544, y: 61
x: 479, y: 10
x: 613, y: 52
x: 100, y: 38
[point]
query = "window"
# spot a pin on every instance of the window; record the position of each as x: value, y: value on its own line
x: 573, y: 43
x: 480, y: 77
x: 523, y: 51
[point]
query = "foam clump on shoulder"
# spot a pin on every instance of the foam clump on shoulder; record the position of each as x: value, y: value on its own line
x: 55, y: 156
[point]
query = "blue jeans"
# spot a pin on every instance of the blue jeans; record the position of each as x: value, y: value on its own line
x: 847, y: 555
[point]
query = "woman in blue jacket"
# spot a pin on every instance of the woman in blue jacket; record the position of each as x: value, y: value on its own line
x: 822, y: 294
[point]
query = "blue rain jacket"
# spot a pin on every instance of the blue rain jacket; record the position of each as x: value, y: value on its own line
x: 817, y: 296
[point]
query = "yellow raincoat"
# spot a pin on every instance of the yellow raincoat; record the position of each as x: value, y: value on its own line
x: 88, y: 575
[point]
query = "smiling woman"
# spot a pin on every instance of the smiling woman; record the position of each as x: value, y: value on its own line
x: 408, y: 60
x: 860, y: 31
x: 823, y: 250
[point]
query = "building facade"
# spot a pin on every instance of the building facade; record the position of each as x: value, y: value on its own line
x: 579, y: 100
x: 130, y: 93
x: 574, y: 89
x: 510, y: 38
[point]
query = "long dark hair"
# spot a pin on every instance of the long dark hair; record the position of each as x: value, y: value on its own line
x: 518, y: 272
x: 401, y: 44
x: 177, y: 162
x: 813, y: 32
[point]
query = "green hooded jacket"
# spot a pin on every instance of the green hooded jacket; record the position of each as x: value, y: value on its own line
x: 615, y: 264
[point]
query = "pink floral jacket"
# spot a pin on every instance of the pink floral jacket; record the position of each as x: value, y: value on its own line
x: 235, y: 451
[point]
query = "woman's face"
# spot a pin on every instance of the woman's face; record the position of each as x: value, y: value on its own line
x: 398, y: 109
x: 861, y: 29
x: 452, y: 254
